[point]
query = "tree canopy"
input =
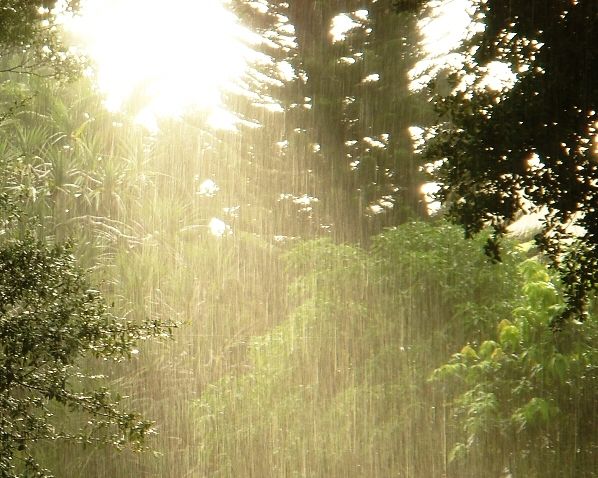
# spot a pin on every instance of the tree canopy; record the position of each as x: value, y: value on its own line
x: 50, y: 318
x: 53, y: 321
x: 528, y: 145
x: 330, y: 118
x: 31, y: 40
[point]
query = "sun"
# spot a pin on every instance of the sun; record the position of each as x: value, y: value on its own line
x: 170, y: 56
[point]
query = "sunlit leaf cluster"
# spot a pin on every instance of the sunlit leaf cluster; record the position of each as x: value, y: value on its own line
x: 528, y: 390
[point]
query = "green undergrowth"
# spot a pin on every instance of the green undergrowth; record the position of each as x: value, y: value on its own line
x: 360, y: 379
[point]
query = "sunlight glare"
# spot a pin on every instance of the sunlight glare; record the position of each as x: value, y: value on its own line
x: 341, y: 24
x: 218, y: 227
x: 442, y: 33
x: 208, y: 188
x: 447, y: 27
x: 164, y: 58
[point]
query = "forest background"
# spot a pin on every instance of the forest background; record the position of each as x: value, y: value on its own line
x: 331, y: 324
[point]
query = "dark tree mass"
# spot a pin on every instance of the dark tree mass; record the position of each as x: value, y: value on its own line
x: 344, y: 119
x: 529, y: 147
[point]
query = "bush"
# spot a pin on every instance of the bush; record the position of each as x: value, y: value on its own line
x: 50, y: 318
x: 528, y: 393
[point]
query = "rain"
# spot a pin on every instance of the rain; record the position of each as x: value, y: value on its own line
x: 302, y: 238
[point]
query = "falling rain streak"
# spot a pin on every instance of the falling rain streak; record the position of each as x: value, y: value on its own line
x: 267, y: 185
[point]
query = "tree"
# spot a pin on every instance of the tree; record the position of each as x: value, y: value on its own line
x: 361, y: 109
x: 51, y: 318
x: 337, y: 143
x: 31, y: 41
x: 530, y: 144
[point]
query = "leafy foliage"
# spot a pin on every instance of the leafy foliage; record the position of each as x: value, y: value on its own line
x: 50, y: 318
x: 528, y: 395
x: 528, y: 145
x: 31, y: 41
x: 54, y: 326
x: 340, y: 387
